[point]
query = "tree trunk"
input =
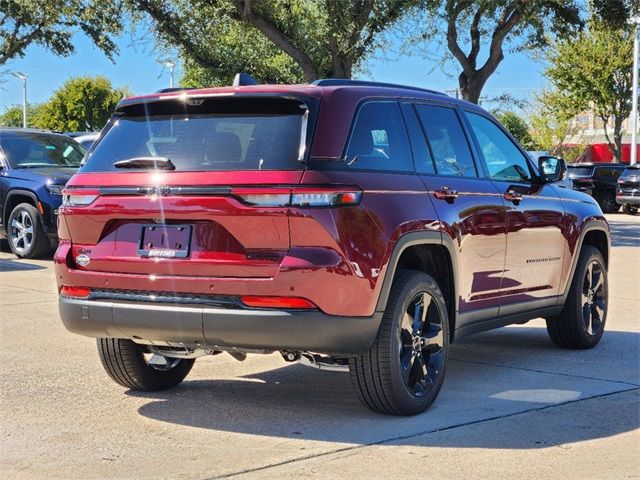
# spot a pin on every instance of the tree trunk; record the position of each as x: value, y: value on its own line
x: 617, y: 137
x: 341, y: 67
x: 471, y: 85
x: 612, y: 145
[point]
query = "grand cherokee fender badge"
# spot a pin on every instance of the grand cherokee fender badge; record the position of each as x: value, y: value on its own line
x: 543, y: 260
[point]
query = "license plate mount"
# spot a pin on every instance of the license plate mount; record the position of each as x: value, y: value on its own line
x: 165, y: 241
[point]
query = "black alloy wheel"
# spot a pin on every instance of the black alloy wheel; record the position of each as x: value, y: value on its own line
x: 421, y: 344
x: 581, y: 322
x: 403, y: 371
x: 594, y: 300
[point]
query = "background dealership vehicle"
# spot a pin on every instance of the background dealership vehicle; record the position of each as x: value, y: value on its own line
x: 348, y: 225
x: 85, y: 139
x: 34, y: 166
x: 628, y: 192
x: 598, y: 180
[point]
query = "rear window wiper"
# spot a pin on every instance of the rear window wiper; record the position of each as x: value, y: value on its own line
x: 162, y: 163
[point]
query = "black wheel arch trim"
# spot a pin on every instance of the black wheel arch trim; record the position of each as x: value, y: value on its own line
x: 413, y: 239
x: 13, y: 193
x: 588, y: 226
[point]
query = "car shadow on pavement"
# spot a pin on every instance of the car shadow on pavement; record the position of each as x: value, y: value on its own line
x: 297, y: 402
x: 17, y: 266
x: 625, y: 234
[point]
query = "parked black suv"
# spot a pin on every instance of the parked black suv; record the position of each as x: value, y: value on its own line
x: 34, y: 166
x: 628, y: 193
x: 599, y: 181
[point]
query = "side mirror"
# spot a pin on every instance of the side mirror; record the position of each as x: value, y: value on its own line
x: 552, y: 169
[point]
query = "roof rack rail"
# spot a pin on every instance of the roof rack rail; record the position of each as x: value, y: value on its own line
x: 176, y: 89
x: 344, y: 82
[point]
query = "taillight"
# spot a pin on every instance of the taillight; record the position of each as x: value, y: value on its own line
x: 277, y: 302
x: 79, y: 197
x: 298, y: 197
x: 263, y: 197
x: 75, y: 292
x: 304, y: 198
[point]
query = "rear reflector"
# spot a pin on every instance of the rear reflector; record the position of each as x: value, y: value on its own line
x: 75, y: 292
x: 277, y: 302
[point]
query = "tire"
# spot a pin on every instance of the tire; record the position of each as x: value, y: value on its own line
x: 124, y: 361
x: 377, y: 375
x: 26, y: 235
x: 581, y: 323
x: 630, y: 209
x: 607, y: 202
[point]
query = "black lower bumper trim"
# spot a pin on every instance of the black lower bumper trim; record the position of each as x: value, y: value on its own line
x: 221, y: 327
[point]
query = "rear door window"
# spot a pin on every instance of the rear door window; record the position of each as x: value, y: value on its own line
x: 608, y: 172
x: 421, y: 154
x: 448, y: 143
x: 379, y: 139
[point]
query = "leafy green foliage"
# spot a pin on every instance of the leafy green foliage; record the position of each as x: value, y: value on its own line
x: 594, y: 70
x: 12, y: 116
x: 82, y: 103
x: 517, y: 127
x: 551, y: 121
x: 241, y: 49
x: 274, y: 40
x: 614, y: 13
x: 51, y: 24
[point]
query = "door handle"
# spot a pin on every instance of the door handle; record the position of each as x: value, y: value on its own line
x: 445, y: 193
x: 512, y: 196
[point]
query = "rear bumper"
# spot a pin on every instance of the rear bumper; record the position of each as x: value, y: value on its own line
x: 628, y: 199
x: 220, y: 328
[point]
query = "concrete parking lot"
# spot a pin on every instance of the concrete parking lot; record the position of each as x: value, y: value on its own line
x: 513, y: 405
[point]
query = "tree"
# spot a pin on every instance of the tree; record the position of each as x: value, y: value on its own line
x: 240, y: 49
x: 550, y: 122
x: 493, y: 25
x: 51, y: 24
x: 594, y: 70
x: 320, y: 39
x: 614, y: 13
x: 82, y: 103
x: 517, y: 127
x: 12, y: 116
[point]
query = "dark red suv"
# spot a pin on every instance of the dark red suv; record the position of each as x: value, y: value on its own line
x: 348, y: 225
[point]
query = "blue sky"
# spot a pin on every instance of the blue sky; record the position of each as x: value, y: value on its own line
x: 137, y: 67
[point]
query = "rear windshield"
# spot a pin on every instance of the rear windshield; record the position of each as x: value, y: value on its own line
x: 34, y: 149
x: 580, y: 171
x: 240, y: 135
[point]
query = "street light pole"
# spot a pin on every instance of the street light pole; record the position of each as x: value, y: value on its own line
x: 24, y: 78
x: 171, y: 66
x: 634, y: 89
